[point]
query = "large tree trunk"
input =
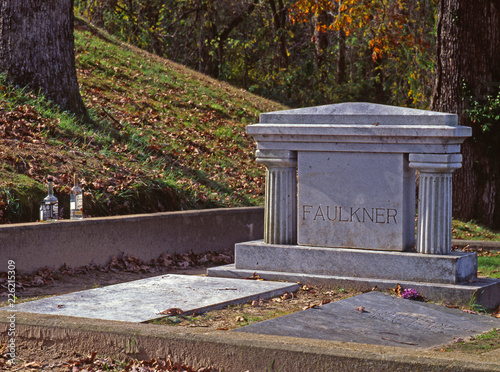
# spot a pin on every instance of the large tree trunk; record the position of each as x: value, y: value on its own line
x: 468, y: 65
x: 37, y: 49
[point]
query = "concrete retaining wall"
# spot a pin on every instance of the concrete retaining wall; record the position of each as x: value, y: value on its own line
x: 77, y: 243
x: 227, y: 351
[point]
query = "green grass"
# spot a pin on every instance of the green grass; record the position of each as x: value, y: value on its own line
x: 479, y: 344
x: 489, y: 266
x: 163, y: 138
x: 473, y: 231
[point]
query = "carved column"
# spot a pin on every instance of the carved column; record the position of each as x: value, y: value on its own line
x: 280, y: 219
x: 434, y: 200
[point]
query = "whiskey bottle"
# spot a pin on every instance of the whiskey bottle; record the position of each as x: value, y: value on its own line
x: 76, y: 201
x: 49, y: 208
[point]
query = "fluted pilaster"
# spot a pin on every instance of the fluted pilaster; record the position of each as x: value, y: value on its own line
x: 280, y: 219
x: 435, y: 200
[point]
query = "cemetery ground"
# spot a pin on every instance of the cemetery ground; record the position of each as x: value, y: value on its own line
x: 48, y: 282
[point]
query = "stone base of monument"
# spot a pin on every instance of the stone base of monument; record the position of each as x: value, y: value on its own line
x: 449, y: 278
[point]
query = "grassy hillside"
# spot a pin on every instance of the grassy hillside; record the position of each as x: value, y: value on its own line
x: 164, y: 138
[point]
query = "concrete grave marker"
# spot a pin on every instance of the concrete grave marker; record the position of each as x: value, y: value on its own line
x: 356, y: 160
x: 340, y: 200
x: 144, y: 299
x: 384, y: 320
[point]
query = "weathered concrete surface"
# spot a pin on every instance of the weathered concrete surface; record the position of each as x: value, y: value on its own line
x: 482, y: 291
x: 230, y: 351
x: 355, y: 200
x: 453, y: 268
x: 379, y: 319
x: 145, y: 236
x: 143, y: 300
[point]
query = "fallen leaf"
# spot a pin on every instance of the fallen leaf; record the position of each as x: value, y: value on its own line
x: 468, y: 311
x: 497, y: 313
x: 310, y: 306
x: 239, y: 318
x: 172, y: 311
x: 361, y: 309
x: 253, y: 277
x: 33, y: 365
x: 398, y: 289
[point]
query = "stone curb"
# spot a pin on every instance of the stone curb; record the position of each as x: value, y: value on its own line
x: 230, y: 351
x: 475, y: 244
x: 145, y: 236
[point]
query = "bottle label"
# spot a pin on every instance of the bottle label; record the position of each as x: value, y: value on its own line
x: 55, y: 211
x: 76, y: 206
x: 79, y: 204
x: 51, y: 211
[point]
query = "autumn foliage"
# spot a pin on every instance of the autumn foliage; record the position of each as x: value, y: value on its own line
x: 298, y: 52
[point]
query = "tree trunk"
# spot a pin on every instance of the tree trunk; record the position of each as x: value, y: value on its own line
x: 320, y: 37
x: 341, y: 64
x: 468, y: 65
x: 37, y: 49
x: 279, y: 17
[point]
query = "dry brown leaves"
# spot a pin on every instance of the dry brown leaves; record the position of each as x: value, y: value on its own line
x: 96, y: 364
x: 23, y: 124
x: 121, y: 263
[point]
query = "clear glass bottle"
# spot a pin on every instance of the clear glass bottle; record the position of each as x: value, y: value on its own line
x: 49, y: 208
x: 76, y: 201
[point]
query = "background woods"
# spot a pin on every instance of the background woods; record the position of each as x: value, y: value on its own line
x: 300, y: 52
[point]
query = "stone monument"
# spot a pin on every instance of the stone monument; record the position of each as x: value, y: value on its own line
x: 340, y: 198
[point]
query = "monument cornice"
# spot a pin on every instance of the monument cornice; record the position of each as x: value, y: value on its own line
x: 360, y: 127
x: 356, y: 133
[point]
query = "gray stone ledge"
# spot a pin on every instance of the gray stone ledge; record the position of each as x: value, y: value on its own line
x: 482, y: 291
x: 452, y: 268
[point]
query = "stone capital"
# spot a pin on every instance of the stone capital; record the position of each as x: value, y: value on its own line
x: 435, y: 163
x: 277, y: 158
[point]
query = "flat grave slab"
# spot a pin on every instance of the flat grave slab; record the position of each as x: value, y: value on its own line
x: 380, y: 319
x: 143, y: 300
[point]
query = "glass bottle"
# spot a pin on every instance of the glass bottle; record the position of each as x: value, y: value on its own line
x: 49, y: 208
x: 76, y: 201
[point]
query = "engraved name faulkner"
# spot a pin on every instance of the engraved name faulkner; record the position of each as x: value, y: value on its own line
x: 349, y: 214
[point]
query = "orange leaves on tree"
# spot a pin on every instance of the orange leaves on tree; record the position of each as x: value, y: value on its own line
x: 383, y: 22
x: 302, y: 10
